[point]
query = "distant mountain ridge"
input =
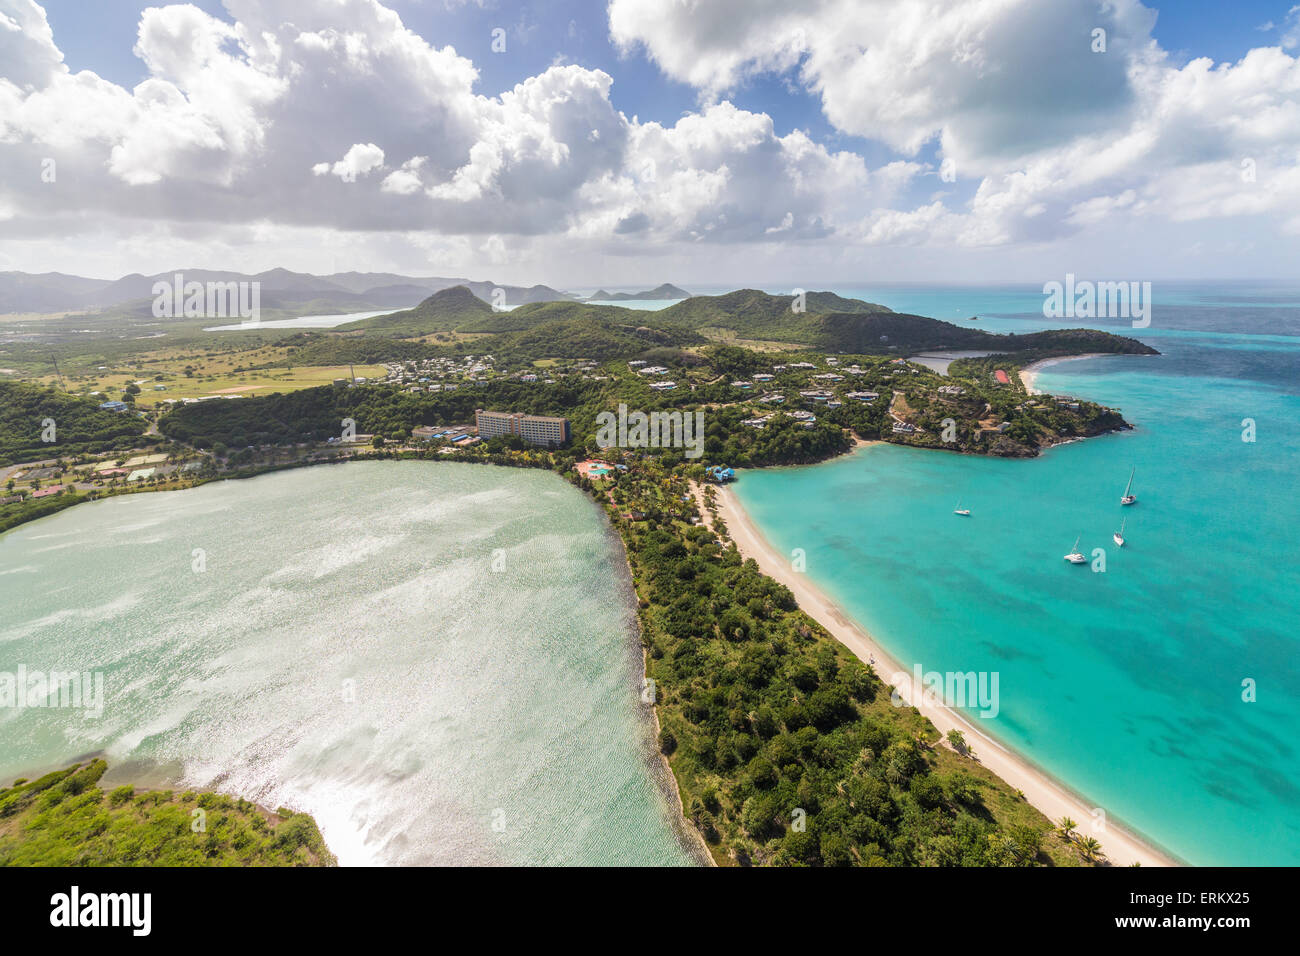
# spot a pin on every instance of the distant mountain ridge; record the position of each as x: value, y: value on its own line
x: 280, y: 288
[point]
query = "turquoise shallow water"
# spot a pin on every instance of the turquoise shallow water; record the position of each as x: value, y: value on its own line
x: 1127, y: 684
x: 438, y: 661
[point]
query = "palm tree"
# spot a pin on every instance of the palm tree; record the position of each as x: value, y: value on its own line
x: 1090, y: 848
x: 1066, y: 828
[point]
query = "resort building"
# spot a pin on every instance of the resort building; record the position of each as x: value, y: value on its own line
x: 805, y: 419
x: 534, y: 429
x: 448, y: 432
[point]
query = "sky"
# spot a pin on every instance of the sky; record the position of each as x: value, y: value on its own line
x: 633, y: 142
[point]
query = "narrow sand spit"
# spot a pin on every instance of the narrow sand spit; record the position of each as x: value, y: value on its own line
x: 1052, y: 798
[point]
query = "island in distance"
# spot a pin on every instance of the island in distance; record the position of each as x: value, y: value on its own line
x: 665, y: 291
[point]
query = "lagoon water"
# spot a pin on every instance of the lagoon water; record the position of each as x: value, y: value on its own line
x: 301, y: 322
x: 1128, y: 684
x: 347, y: 649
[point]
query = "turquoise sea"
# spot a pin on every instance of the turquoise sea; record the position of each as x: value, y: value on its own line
x: 1126, y: 684
x: 439, y: 661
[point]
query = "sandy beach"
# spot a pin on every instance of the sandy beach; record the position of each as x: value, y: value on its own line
x: 1029, y: 374
x: 1049, y: 796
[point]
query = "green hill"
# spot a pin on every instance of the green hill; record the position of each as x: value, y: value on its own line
x: 898, y: 332
x: 827, y: 321
x: 441, y: 312
x: 539, y: 313
x: 752, y: 314
x: 585, y: 337
x: 79, y: 424
x: 65, y: 819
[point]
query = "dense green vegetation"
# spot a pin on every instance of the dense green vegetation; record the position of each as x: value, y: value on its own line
x: 749, y: 312
x: 316, y: 414
x: 65, y: 819
x: 440, y: 312
x: 752, y: 314
x: 915, y: 333
x: 824, y: 320
x: 786, y: 748
x: 14, y: 513
x: 80, y: 425
x: 543, y: 313
x: 705, y: 379
x: 578, y: 338
x: 783, y: 442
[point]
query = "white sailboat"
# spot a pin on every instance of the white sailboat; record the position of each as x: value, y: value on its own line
x: 1129, y: 497
x: 1119, y: 535
x: 959, y: 510
x: 1076, y: 556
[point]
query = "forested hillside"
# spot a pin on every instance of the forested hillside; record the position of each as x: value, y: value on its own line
x: 79, y: 425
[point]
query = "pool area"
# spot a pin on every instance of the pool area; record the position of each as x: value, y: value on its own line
x: 595, y: 469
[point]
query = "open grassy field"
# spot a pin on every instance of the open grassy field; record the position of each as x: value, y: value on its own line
x: 728, y: 337
x: 224, y: 374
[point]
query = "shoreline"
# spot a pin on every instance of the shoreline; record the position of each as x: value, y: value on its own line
x: 1053, y: 798
x: 146, y: 776
x: 657, y: 764
x: 1029, y: 374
